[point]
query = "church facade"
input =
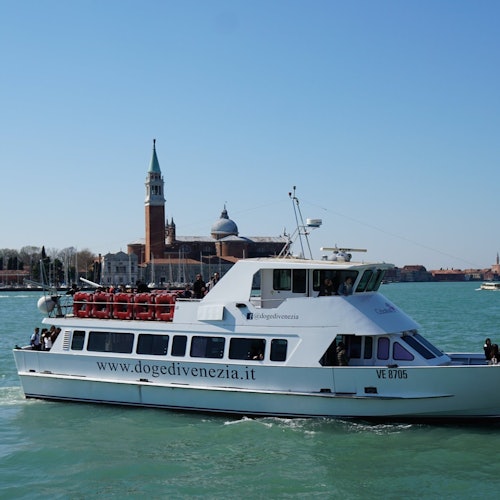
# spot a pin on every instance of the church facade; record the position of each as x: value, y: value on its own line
x: 167, y: 259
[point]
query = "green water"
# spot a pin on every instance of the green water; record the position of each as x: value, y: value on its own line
x: 81, y: 451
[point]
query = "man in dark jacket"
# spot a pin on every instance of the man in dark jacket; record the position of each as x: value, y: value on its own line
x: 199, y: 287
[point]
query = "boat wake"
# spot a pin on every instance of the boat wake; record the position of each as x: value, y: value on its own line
x: 12, y: 396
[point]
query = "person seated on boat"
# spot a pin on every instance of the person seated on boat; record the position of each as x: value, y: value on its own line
x: 186, y: 293
x: 35, y: 342
x: 199, y: 287
x: 341, y: 355
x: 258, y: 355
x: 327, y: 288
x: 346, y: 287
x: 495, y: 356
x: 487, y: 349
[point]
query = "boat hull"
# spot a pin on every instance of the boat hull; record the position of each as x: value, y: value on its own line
x: 413, y: 393
x: 492, y: 286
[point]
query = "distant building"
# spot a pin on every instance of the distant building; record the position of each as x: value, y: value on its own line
x: 495, y: 270
x: 167, y: 258
x: 13, y: 277
x: 392, y: 275
x: 415, y: 273
x: 448, y: 275
x: 475, y: 274
x: 119, y: 269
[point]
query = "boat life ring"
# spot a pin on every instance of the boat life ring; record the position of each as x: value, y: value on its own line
x: 144, y: 306
x: 123, y: 306
x: 165, y: 306
x: 102, y: 305
x: 82, y: 304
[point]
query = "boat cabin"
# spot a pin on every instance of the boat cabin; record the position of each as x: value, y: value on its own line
x: 270, y: 287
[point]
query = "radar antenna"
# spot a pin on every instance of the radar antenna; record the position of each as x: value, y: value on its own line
x: 302, y: 230
x: 341, y: 254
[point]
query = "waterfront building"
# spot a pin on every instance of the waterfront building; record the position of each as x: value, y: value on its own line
x: 119, y: 269
x: 166, y: 258
x: 415, y: 273
x: 13, y: 277
x: 448, y: 275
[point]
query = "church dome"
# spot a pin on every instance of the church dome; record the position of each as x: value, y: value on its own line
x: 224, y: 227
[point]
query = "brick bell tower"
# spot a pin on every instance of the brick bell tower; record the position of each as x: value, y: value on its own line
x: 155, y: 210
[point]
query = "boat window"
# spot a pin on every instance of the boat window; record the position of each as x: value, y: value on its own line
x: 256, y: 289
x: 207, y: 347
x: 427, y: 344
x: 110, y: 342
x: 376, y: 280
x: 77, y: 340
x: 353, y: 346
x: 400, y: 353
x: 383, y: 348
x: 152, y: 344
x: 247, y: 349
x: 319, y: 278
x: 373, y: 281
x: 368, y: 348
x: 363, y: 282
x: 422, y: 350
x: 282, y: 279
x: 299, y: 281
x: 278, y: 350
x: 343, y: 276
x: 179, y: 343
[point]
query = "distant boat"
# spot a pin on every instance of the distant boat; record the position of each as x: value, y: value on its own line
x: 490, y: 285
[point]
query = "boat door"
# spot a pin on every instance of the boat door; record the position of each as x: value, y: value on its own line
x: 344, y: 379
x: 277, y: 285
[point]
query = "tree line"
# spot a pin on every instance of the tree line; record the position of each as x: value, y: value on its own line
x: 51, y: 266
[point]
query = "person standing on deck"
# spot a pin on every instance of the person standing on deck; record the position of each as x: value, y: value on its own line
x: 487, y: 349
x: 35, y: 340
x: 199, y: 287
x: 341, y: 355
x: 215, y: 279
x: 495, y: 356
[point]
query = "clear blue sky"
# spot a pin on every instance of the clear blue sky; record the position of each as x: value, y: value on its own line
x: 384, y: 114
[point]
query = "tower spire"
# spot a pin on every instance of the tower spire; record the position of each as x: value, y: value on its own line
x: 155, y: 210
x: 154, y: 166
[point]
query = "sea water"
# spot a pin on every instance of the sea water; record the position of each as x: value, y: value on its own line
x: 83, y: 451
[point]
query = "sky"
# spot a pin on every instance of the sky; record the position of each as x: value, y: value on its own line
x: 384, y: 114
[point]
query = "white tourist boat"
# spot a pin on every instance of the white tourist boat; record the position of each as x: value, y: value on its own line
x: 263, y: 341
x: 490, y: 285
